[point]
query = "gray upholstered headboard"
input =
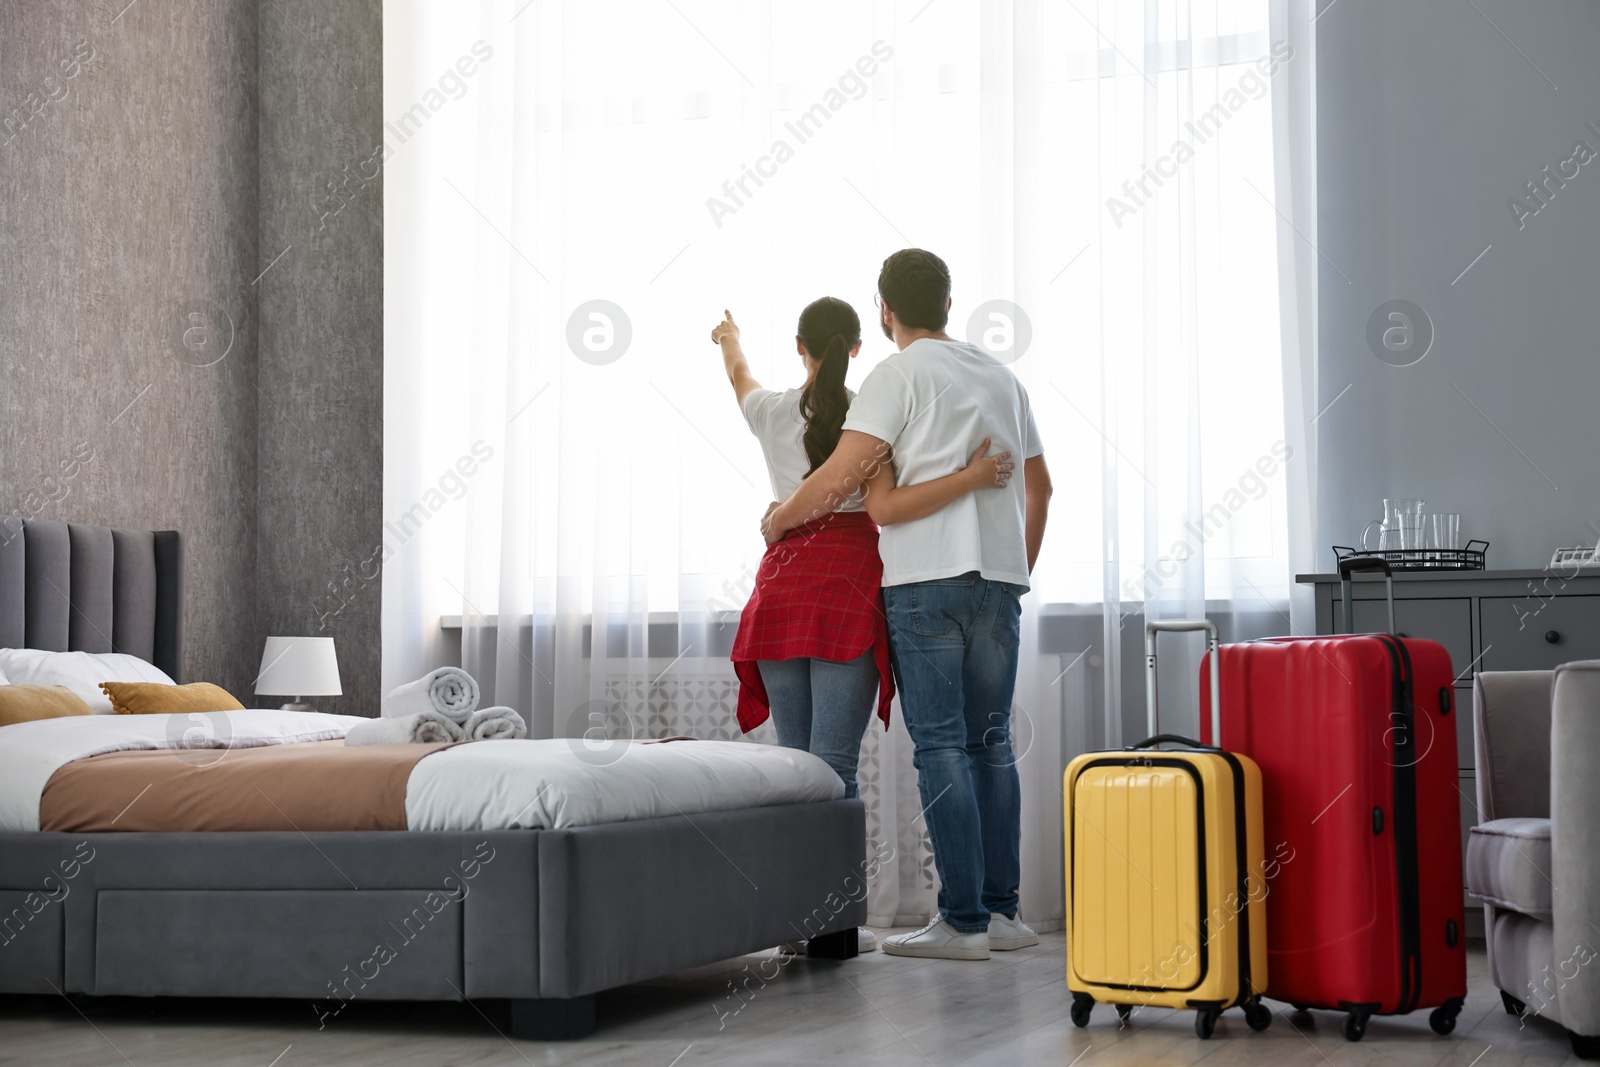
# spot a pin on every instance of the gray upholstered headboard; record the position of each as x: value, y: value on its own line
x: 67, y: 587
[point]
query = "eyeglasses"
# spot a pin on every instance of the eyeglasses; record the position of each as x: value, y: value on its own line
x: 877, y: 298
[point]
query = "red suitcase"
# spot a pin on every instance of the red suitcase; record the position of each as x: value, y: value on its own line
x: 1356, y: 742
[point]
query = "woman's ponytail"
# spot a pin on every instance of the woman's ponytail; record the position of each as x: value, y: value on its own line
x: 829, y: 328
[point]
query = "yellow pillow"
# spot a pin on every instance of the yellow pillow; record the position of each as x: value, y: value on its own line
x: 155, y: 698
x: 26, y: 703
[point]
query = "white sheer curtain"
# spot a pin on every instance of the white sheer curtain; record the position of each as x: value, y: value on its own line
x: 567, y: 224
x: 1294, y: 138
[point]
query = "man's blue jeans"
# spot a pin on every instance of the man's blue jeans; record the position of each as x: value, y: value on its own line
x: 953, y: 643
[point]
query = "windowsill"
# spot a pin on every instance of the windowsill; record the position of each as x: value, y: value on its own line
x: 656, y: 618
x: 1058, y: 628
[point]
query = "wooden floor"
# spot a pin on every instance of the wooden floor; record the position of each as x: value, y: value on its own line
x: 876, y: 1009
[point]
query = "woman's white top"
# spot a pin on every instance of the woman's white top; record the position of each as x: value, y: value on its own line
x: 776, y: 421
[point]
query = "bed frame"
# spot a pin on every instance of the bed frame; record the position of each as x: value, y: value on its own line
x: 541, y: 920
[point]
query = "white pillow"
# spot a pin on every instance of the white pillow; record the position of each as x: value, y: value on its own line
x: 3, y: 679
x: 81, y: 672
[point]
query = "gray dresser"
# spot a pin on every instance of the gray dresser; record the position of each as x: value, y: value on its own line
x: 1523, y: 620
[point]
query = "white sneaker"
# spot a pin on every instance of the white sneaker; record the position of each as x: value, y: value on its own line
x: 1008, y: 934
x: 940, y: 941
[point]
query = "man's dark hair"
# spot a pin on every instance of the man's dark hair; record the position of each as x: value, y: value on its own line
x: 915, y: 285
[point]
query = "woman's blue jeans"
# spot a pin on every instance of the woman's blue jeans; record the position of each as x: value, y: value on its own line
x: 822, y: 707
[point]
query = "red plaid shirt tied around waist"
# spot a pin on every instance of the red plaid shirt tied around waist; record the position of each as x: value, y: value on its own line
x: 817, y: 595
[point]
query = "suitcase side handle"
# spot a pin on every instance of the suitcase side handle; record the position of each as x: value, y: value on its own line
x: 1348, y: 568
x: 1212, y: 649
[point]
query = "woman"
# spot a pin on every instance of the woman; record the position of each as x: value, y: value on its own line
x: 812, y: 645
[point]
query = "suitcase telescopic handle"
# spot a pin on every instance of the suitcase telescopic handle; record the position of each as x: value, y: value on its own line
x: 1212, y: 649
x: 1348, y: 568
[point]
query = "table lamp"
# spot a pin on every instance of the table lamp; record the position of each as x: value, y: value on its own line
x: 298, y: 667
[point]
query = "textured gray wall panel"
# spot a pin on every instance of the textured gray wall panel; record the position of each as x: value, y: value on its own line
x: 128, y: 204
x: 321, y: 349
x: 155, y: 160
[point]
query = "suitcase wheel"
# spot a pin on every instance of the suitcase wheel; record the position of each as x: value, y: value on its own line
x: 1443, y: 1018
x: 1257, y: 1015
x: 1355, y: 1025
x: 1205, y: 1022
x: 1082, y: 1006
x: 1123, y: 1011
x: 1301, y: 1008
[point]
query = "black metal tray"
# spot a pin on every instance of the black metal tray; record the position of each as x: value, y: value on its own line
x: 1470, y: 558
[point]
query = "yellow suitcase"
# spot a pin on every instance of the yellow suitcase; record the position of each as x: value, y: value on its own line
x: 1166, y: 879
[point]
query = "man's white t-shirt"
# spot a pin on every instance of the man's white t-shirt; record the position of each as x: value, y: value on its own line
x: 934, y: 402
x: 776, y: 421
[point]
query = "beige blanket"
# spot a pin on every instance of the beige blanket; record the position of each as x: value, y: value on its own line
x: 321, y: 785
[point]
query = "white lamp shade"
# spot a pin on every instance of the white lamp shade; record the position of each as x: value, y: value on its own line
x: 299, y: 666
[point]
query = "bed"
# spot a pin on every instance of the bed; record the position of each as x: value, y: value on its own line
x: 537, y: 920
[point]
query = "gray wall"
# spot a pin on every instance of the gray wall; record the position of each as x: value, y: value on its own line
x: 165, y: 175
x: 125, y: 205
x: 1429, y: 121
x: 321, y: 348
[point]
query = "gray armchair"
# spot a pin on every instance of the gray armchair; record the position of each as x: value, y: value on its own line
x: 1534, y: 857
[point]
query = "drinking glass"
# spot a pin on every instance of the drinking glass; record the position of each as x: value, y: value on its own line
x: 1405, y: 518
x: 1446, y: 530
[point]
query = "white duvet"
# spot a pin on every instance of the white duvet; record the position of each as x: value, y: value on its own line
x: 508, y: 785
x: 486, y: 785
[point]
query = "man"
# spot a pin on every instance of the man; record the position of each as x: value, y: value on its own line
x: 951, y: 587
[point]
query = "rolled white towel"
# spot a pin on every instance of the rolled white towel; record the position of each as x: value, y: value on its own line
x: 450, y: 691
x: 423, y: 728
x: 496, y: 724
